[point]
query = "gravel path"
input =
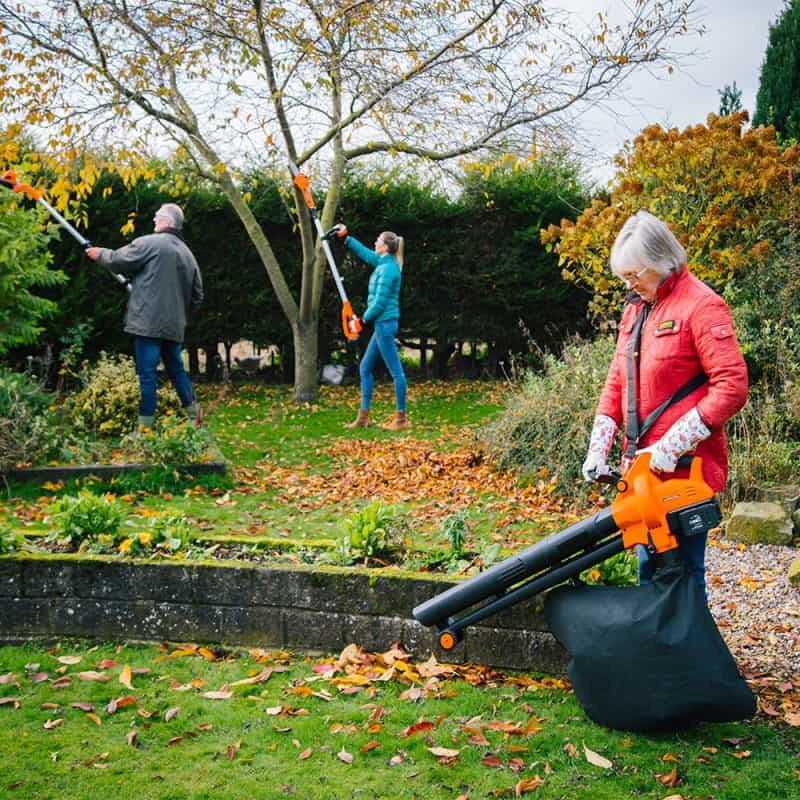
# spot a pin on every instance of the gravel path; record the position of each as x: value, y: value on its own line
x: 756, y: 609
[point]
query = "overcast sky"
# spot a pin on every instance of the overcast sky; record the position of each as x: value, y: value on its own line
x: 731, y: 50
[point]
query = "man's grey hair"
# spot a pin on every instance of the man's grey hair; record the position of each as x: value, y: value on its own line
x: 174, y: 213
x: 645, y: 241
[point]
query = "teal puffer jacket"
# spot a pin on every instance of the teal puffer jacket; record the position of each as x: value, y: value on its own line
x: 383, y: 295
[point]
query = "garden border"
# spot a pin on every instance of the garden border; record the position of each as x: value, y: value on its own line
x: 103, y: 471
x: 319, y: 609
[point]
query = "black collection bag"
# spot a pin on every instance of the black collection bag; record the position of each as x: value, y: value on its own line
x: 647, y: 658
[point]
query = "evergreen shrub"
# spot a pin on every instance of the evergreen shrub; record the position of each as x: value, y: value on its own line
x: 108, y: 403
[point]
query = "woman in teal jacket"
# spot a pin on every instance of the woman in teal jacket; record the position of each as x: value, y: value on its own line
x: 383, y: 310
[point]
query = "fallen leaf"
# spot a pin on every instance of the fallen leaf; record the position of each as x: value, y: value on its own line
x: 222, y: 694
x: 527, y: 785
x: 205, y: 726
x: 9, y: 677
x: 131, y: 738
x: 82, y: 706
x: 120, y: 702
x: 444, y: 752
x: 417, y: 727
x: 306, y: 754
x: 171, y: 713
x: 53, y: 723
x: 596, y: 758
x: 396, y: 759
x: 91, y: 675
x: 492, y: 761
x: 343, y: 755
x: 174, y: 740
x: 69, y: 660
x: 107, y: 663
x: 670, y: 778
x: 742, y: 754
x: 94, y: 718
x: 125, y: 677
x: 371, y: 745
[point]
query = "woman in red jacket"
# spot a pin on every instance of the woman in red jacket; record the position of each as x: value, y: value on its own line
x: 676, y: 347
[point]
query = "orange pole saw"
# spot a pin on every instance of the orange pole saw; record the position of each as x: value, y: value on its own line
x: 647, y: 510
x: 9, y: 180
x: 351, y: 324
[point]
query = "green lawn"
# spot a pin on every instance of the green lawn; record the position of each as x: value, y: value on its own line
x: 295, y: 731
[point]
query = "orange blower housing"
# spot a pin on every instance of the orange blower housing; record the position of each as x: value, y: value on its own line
x: 651, y: 511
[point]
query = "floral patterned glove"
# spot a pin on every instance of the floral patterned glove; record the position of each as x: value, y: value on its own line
x: 603, y: 433
x: 683, y: 436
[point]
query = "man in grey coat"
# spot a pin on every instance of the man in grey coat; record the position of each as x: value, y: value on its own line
x: 165, y: 286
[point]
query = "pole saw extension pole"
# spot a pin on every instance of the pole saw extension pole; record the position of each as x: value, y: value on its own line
x: 9, y: 180
x: 351, y: 324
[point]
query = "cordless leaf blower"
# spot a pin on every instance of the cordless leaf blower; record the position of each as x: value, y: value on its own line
x: 9, y: 180
x: 647, y: 510
x: 351, y: 324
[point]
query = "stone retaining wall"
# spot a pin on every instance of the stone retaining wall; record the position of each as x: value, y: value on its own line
x: 317, y: 609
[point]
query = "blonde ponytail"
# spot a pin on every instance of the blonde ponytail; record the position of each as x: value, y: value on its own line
x: 395, y: 245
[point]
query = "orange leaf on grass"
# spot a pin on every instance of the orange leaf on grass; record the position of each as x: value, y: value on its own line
x: 125, y: 677
x: 669, y: 778
x: 417, y: 727
x: 120, y: 702
x: 492, y: 761
x: 527, y: 785
x: 306, y: 754
x: 371, y: 745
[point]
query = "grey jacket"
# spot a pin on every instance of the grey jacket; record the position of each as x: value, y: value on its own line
x: 165, y: 284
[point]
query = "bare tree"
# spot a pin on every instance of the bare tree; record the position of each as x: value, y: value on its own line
x: 233, y: 82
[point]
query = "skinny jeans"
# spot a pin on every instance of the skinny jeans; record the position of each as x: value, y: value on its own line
x: 382, y: 344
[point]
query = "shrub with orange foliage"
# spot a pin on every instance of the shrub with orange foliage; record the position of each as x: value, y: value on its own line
x: 726, y: 192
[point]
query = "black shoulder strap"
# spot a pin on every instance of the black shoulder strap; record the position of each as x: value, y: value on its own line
x: 633, y: 429
x: 632, y: 359
x: 684, y: 391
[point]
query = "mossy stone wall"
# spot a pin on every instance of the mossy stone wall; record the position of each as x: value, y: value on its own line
x: 307, y: 608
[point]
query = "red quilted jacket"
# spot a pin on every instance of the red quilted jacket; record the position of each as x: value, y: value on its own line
x: 689, y: 330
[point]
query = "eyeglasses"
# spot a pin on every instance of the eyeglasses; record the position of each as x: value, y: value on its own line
x: 633, y: 277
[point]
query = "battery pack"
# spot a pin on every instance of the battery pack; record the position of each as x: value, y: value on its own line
x: 691, y: 520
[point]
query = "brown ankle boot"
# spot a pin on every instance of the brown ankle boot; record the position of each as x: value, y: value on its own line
x: 361, y: 421
x: 397, y: 422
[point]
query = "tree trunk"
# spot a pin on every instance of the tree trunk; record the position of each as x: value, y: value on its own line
x: 306, y: 385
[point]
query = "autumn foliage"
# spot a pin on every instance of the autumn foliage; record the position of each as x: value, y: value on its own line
x: 726, y: 192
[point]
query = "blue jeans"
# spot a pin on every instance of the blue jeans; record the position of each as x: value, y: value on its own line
x: 148, y: 352
x: 693, y: 551
x: 382, y: 343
